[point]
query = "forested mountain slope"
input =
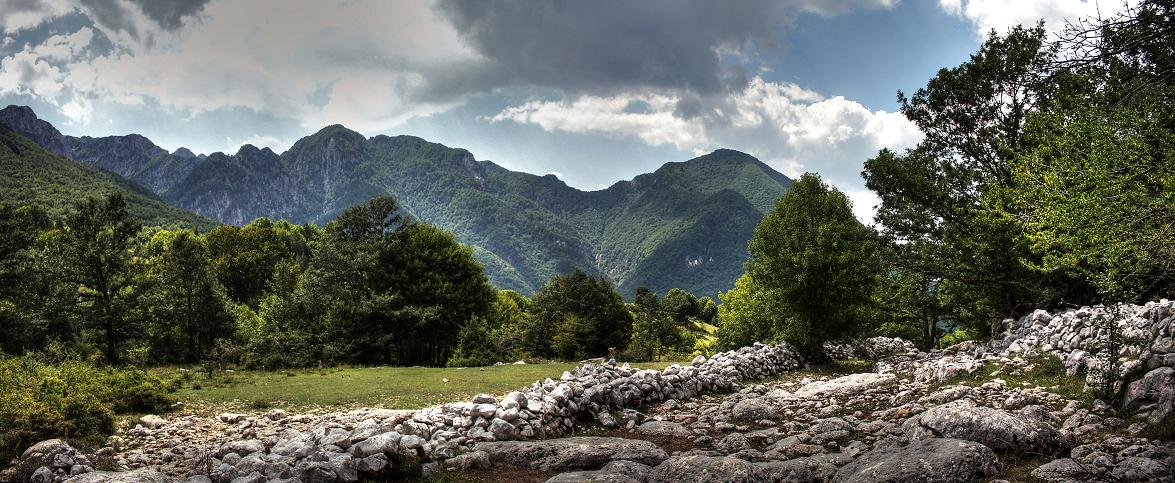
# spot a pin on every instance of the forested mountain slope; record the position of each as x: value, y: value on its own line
x: 684, y: 225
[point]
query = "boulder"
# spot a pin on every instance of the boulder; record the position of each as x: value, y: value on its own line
x: 707, y: 469
x: 754, y: 409
x: 141, y: 475
x: 592, y: 477
x: 799, y: 470
x: 664, y: 429
x: 997, y: 429
x: 936, y: 460
x: 847, y: 386
x: 152, y: 421
x: 572, y: 453
x: 1155, y: 387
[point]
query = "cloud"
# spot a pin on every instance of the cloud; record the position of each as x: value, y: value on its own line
x: 65, y: 47
x: 363, y: 64
x: 1000, y: 15
x: 611, y: 46
x: 17, y: 15
x: 26, y: 73
x: 132, y: 23
x: 795, y: 130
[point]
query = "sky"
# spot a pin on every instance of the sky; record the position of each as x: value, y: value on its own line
x: 592, y: 91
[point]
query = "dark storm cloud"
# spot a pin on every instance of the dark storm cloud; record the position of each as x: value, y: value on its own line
x: 115, y: 15
x: 170, y: 13
x: 610, y: 45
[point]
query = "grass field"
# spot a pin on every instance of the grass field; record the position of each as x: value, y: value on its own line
x: 345, y: 388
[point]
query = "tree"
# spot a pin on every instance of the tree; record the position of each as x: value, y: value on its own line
x: 96, y: 258
x: 946, y: 193
x: 583, y: 314
x: 245, y: 258
x: 816, y: 267
x: 681, y: 305
x: 654, y: 330
x: 384, y: 288
x: 746, y: 315
x: 22, y: 327
x: 190, y: 298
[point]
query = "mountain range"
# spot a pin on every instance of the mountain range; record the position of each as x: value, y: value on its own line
x: 685, y: 225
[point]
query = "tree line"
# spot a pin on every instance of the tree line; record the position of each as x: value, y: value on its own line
x: 373, y: 287
x: 1046, y: 179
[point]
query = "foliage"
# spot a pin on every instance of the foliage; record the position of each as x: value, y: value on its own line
x: 944, y: 193
x: 69, y: 399
x: 815, y: 267
x: 246, y: 258
x: 1096, y: 196
x: 94, y: 254
x: 576, y: 316
x: 190, y: 309
x: 655, y: 331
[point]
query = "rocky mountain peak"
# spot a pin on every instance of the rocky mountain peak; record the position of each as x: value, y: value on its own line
x: 22, y: 120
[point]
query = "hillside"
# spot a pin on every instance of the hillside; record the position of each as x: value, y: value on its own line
x: 30, y: 175
x: 685, y: 225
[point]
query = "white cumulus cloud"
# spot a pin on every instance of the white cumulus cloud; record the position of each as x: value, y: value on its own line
x: 1000, y: 15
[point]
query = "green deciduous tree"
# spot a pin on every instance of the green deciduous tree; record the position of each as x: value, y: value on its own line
x: 22, y: 326
x: 577, y: 315
x: 655, y: 332
x: 95, y: 254
x: 191, y: 309
x: 946, y: 193
x: 815, y: 267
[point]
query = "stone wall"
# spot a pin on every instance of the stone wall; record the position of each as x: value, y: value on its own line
x: 1074, y: 336
x: 443, y: 433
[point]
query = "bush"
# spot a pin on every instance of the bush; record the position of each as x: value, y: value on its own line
x: 69, y: 399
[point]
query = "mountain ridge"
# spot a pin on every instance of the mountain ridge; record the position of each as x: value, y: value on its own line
x: 685, y: 224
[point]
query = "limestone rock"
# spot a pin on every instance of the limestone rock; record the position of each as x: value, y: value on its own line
x: 936, y: 460
x: 572, y: 453
x: 754, y: 409
x: 141, y: 475
x: 849, y: 385
x: 997, y: 429
x: 665, y: 429
x: 707, y: 469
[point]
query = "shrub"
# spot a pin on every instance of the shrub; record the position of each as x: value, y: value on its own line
x: 70, y: 399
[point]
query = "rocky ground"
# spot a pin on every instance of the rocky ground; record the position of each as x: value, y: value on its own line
x: 973, y: 412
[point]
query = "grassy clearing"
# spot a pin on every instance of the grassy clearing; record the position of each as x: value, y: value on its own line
x: 1047, y: 372
x: 345, y: 388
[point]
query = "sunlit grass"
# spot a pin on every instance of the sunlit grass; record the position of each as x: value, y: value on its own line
x: 344, y: 388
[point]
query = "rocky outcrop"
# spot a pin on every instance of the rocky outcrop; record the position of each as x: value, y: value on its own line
x: 1117, y: 459
x: 707, y: 469
x: 1000, y: 430
x: 847, y: 386
x: 589, y: 453
x: 931, y: 461
x: 51, y: 460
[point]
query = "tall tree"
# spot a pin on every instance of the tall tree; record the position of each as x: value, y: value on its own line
x: 96, y: 257
x: 577, y: 315
x: 945, y: 194
x: 189, y: 294
x: 654, y: 329
x: 387, y: 289
x: 816, y: 265
x: 22, y: 327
